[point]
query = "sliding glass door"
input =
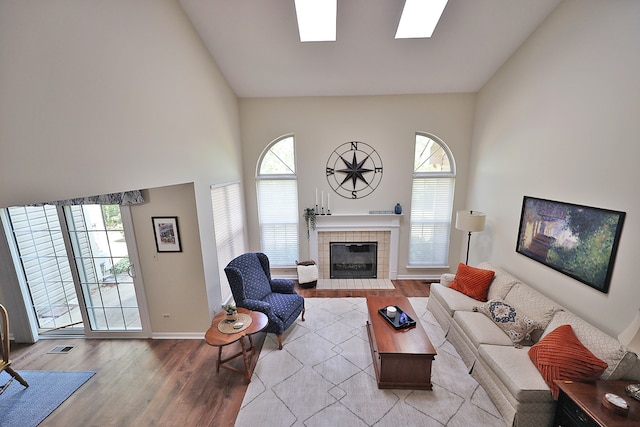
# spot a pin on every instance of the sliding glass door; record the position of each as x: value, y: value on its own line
x: 79, y: 269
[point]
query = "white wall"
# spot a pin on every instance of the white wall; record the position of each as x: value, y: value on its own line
x: 387, y: 123
x: 560, y: 121
x: 103, y: 96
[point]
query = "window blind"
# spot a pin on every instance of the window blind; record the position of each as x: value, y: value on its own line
x: 228, y: 224
x: 278, y: 217
x: 431, y: 207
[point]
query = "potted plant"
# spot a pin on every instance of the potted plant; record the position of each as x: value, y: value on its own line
x: 232, y: 312
x: 310, y: 219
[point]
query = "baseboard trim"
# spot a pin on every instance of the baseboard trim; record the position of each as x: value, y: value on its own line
x: 178, y: 336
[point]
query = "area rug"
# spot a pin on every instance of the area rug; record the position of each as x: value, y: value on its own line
x: 26, y: 407
x: 354, y: 284
x: 324, y: 376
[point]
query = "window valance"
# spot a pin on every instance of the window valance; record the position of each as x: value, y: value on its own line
x: 133, y: 197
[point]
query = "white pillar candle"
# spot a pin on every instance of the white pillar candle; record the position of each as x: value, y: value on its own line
x: 322, y: 199
x: 328, y: 203
x: 316, y: 196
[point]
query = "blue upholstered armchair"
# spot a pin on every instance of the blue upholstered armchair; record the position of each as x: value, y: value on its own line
x: 254, y: 289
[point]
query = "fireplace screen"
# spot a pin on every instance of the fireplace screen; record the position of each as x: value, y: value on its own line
x: 353, y: 260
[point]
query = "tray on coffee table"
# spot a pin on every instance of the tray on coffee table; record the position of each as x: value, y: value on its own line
x: 395, y: 321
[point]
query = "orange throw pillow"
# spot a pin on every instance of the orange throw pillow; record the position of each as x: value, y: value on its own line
x: 561, y: 356
x: 473, y: 282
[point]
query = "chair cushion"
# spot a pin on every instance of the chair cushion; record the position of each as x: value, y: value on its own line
x: 472, y: 281
x: 284, y: 305
x: 561, y: 356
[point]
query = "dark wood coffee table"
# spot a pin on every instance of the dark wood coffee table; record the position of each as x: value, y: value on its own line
x: 401, y: 358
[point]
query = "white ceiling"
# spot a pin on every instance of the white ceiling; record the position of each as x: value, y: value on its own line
x: 256, y: 45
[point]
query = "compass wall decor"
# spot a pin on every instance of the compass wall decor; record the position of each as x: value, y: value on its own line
x: 354, y: 170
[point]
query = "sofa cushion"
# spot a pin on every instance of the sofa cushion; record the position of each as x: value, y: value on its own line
x: 534, y: 305
x: 516, y: 371
x: 451, y: 300
x: 502, y: 281
x: 479, y: 329
x: 508, y: 318
x: 472, y: 281
x: 561, y: 356
x: 619, y: 358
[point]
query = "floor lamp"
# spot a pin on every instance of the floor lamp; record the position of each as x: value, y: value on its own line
x: 471, y: 221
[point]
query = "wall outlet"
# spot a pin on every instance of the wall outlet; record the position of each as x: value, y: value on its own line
x: 166, y: 315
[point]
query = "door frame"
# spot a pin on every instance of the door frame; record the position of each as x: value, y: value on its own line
x: 24, y: 319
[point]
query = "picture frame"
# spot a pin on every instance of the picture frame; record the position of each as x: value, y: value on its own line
x: 578, y: 241
x: 167, y: 234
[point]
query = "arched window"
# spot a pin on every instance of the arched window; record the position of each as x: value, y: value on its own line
x: 431, y: 202
x: 277, y: 190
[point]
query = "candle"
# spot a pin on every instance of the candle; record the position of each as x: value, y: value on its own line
x: 316, y: 196
x: 328, y: 203
x: 322, y: 199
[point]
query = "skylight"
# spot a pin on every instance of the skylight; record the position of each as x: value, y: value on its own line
x: 317, y: 20
x: 419, y: 18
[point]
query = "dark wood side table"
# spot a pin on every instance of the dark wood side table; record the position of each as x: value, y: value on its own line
x: 219, y: 339
x: 580, y: 404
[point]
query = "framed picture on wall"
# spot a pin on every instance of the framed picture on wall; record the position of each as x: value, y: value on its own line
x: 579, y: 241
x: 165, y: 230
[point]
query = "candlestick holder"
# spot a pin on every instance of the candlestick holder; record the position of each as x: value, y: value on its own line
x: 322, y: 211
x: 316, y: 210
x: 328, y: 211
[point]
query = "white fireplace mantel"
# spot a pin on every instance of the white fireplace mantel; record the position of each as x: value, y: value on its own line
x: 359, y: 222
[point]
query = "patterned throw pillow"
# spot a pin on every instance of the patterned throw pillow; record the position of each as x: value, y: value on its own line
x: 561, y: 356
x: 473, y: 282
x: 515, y: 324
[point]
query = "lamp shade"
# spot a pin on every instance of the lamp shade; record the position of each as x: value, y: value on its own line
x: 631, y: 335
x: 470, y: 220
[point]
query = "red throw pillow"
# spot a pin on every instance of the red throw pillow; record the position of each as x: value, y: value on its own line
x: 561, y: 356
x: 473, y: 282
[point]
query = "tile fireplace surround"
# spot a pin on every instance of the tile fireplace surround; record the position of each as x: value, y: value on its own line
x: 383, y: 228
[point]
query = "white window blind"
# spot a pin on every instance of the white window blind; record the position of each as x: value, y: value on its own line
x: 278, y: 216
x: 431, y: 203
x: 228, y: 224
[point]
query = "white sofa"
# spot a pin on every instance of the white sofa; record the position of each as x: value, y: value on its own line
x: 505, y: 371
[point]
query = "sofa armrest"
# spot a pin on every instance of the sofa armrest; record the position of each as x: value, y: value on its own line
x: 446, y: 279
x: 282, y: 286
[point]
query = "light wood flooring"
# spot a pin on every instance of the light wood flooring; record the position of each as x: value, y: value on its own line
x: 158, y: 382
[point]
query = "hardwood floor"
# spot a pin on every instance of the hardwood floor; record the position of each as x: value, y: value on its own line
x: 158, y: 382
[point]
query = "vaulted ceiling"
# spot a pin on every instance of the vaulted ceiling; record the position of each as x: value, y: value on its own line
x: 256, y: 45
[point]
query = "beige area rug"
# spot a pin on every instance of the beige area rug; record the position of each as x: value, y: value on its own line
x: 324, y: 376
x: 354, y: 284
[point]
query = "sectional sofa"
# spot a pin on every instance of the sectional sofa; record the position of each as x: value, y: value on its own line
x: 504, y: 368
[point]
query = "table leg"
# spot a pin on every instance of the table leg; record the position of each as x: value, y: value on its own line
x: 247, y: 361
x: 219, y: 359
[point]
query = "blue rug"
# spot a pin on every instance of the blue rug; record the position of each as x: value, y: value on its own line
x: 26, y: 407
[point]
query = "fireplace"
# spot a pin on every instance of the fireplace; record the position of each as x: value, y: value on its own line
x: 353, y: 228
x: 353, y: 260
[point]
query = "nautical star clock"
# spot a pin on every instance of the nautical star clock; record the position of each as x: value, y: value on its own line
x: 354, y: 170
